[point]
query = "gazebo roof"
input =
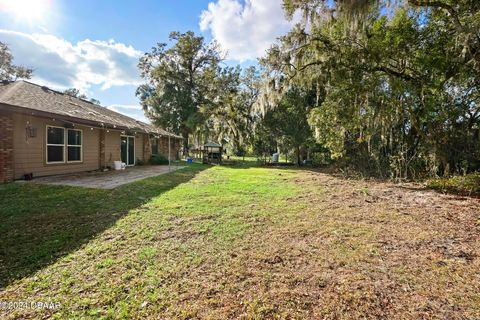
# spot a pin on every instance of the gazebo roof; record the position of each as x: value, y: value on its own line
x: 212, y: 145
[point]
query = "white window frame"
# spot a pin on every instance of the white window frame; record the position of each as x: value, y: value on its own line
x: 74, y: 145
x: 128, y: 148
x: 54, y: 145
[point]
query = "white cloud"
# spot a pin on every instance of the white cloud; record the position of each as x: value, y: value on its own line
x: 134, y: 111
x: 245, y: 30
x: 61, y: 64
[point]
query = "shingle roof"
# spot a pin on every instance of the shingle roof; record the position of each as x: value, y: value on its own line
x: 212, y: 144
x: 24, y: 94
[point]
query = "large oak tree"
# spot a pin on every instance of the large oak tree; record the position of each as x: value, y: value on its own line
x: 397, y: 93
x: 181, y: 80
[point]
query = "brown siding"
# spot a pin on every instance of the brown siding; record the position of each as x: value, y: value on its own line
x: 6, y: 147
x: 139, y: 147
x: 147, y: 148
x: 174, y: 147
x: 112, y: 147
x: 30, y: 152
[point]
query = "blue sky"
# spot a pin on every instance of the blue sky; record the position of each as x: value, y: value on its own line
x: 95, y: 45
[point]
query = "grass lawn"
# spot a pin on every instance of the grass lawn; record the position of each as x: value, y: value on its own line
x: 240, y: 242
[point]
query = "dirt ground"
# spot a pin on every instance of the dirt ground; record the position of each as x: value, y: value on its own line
x: 380, y: 250
x: 351, y: 250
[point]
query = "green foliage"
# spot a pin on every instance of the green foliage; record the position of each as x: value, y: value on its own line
x: 392, y: 88
x: 468, y: 184
x: 188, y: 92
x: 264, y: 141
x: 180, y: 82
x: 397, y: 96
x: 158, y: 159
x: 288, y: 121
x: 9, y: 71
x: 233, y: 117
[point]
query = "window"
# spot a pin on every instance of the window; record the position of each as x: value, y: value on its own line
x: 154, y: 146
x: 55, y: 144
x: 74, y: 146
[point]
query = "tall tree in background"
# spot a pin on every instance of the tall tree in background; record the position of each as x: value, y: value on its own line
x: 180, y: 82
x: 221, y: 124
x: 233, y: 117
x: 398, y: 95
x: 288, y: 122
x: 461, y: 16
x: 9, y: 71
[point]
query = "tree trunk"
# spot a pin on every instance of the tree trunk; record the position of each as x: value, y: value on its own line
x: 298, y: 155
x: 185, y: 143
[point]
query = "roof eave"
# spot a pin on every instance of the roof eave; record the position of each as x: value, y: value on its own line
x: 44, y: 114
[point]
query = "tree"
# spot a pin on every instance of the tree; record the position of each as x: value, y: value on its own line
x: 264, y: 142
x: 180, y: 83
x: 233, y: 117
x: 460, y: 15
x: 288, y: 122
x: 9, y: 71
x: 398, y: 96
x: 73, y: 92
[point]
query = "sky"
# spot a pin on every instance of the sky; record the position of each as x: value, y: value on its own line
x: 94, y: 46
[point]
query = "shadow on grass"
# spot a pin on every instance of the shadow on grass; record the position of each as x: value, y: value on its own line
x: 41, y: 223
x: 459, y: 194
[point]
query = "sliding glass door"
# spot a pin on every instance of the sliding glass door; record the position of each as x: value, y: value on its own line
x: 127, y: 150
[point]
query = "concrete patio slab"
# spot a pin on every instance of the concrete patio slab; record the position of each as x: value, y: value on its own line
x: 106, y: 180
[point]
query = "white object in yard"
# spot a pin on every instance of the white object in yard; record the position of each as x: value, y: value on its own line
x: 117, y: 165
x: 124, y: 165
x: 275, y: 157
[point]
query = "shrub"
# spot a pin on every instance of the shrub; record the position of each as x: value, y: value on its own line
x: 158, y: 159
x: 467, y: 184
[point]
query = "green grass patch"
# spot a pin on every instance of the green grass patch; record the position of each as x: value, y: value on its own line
x: 41, y: 223
x: 468, y: 184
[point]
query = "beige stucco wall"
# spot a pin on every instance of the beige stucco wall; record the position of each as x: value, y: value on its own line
x: 30, y: 153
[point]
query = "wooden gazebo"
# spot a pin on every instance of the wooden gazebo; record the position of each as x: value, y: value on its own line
x: 212, y: 153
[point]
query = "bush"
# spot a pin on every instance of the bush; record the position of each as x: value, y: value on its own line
x: 468, y: 184
x: 158, y: 159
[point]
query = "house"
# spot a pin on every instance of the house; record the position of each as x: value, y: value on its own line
x: 44, y: 132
